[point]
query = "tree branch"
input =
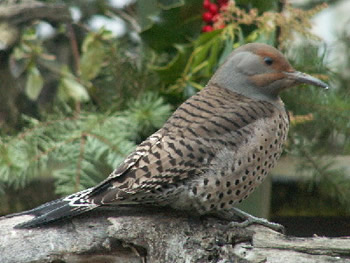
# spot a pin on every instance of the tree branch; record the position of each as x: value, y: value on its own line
x: 27, y: 11
x: 143, y: 235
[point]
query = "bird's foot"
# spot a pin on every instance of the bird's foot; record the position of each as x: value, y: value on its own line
x: 249, y: 220
x: 261, y: 221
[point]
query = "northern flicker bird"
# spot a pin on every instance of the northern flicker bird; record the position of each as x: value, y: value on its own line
x: 211, y: 154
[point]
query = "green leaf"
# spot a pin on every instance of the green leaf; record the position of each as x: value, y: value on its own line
x: 96, y: 37
x: 200, y: 54
x: 34, y: 83
x: 91, y: 62
x: 171, y: 22
x: 206, y: 47
x: 94, y: 54
x: 213, y: 57
x: 205, y: 37
x: 173, y: 70
x: 70, y: 88
x: 227, y: 51
x: 168, y: 4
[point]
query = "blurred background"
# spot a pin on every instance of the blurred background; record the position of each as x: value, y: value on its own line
x: 83, y: 82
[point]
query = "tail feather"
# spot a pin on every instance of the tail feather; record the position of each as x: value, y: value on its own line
x: 54, y: 212
x: 37, y: 211
x: 67, y: 207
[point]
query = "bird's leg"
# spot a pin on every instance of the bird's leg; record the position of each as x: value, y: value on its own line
x: 248, y: 220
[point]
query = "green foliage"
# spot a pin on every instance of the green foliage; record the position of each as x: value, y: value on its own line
x: 31, y: 57
x: 326, y: 134
x: 95, y: 49
x: 24, y: 59
x: 330, y: 110
x: 194, y: 62
x: 79, y: 151
x: 146, y: 114
x: 125, y: 76
x: 34, y: 83
x: 70, y: 88
x: 327, y: 175
x: 170, y: 22
x: 106, y: 101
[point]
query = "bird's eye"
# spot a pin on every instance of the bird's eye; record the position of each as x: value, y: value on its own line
x: 268, y: 61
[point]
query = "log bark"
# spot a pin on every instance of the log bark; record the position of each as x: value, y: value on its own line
x: 159, y: 236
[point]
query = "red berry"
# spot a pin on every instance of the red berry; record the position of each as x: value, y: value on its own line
x: 207, y: 17
x: 222, y: 2
x: 207, y: 28
x: 223, y: 6
x: 206, y: 4
x: 215, y: 17
x: 213, y: 8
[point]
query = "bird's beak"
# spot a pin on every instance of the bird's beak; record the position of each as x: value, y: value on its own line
x: 300, y: 77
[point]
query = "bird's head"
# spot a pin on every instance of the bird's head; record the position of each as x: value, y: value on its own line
x: 260, y: 71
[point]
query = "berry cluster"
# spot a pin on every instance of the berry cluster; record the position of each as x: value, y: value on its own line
x: 211, y: 14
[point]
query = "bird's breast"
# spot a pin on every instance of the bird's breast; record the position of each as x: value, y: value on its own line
x: 234, y: 173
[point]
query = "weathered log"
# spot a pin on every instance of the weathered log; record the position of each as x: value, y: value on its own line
x: 159, y: 236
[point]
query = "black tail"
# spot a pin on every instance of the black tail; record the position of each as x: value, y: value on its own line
x: 50, y: 212
x: 66, y: 207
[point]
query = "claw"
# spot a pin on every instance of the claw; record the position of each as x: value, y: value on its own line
x: 250, y: 220
x: 260, y: 221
